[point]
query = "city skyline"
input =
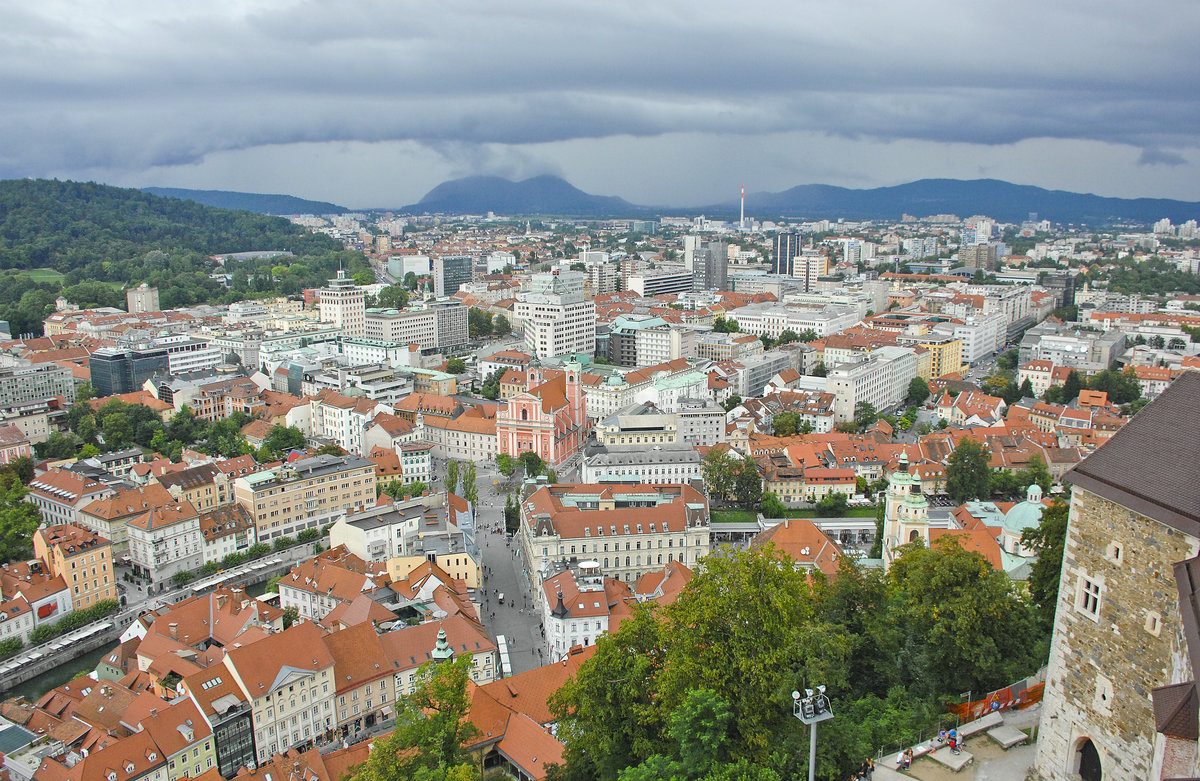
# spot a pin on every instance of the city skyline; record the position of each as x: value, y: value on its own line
x: 676, y: 104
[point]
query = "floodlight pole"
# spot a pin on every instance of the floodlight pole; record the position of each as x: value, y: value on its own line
x: 812, y: 708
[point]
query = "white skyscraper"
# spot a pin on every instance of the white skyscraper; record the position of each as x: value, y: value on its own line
x: 559, y: 319
x: 342, y: 304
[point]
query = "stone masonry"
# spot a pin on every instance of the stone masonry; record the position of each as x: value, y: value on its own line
x: 1117, y: 635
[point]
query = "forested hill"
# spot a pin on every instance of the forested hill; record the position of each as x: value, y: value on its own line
x: 261, y: 203
x: 88, y: 241
x: 64, y: 225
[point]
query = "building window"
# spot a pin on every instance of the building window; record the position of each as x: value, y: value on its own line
x: 1088, y: 599
x: 1153, y: 623
x: 1115, y: 553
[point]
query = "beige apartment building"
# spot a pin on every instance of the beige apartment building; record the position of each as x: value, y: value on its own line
x: 305, y: 494
x: 82, y: 557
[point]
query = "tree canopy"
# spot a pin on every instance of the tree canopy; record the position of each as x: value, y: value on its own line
x: 705, y: 683
x: 968, y: 475
x: 431, y: 730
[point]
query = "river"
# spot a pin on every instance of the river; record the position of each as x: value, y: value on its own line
x: 36, y: 687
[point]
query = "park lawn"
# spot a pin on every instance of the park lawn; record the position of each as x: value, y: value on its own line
x: 734, y: 516
x: 40, y: 275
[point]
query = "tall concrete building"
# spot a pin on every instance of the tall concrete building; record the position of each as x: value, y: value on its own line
x: 440, y: 324
x: 787, y: 247
x: 708, y: 261
x: 342, y: 304
x: 450, y: 273
x: 1120, y: 698
x: 981, y: 257
x: 142, y: 298
x: 124, y: 371
x: 559, y: 319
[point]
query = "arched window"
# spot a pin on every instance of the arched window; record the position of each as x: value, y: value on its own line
x: 606, y: 562
x: 913, y: 535
x: 627, y: 561
x: 660, y: 558
x: 524, y: 414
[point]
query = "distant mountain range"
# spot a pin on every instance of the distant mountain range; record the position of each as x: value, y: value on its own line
x: 259, y: 203
x: 550, y: 195
x: 539, y: 195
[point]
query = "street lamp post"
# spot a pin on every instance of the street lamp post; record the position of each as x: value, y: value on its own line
x: 811, y: 709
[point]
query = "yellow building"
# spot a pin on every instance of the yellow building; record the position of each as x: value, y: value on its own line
x: 305, y: 494
x: 83, y: 558
x: 945, y: 352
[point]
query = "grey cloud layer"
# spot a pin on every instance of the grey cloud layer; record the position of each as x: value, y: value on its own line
x: 115, y: 85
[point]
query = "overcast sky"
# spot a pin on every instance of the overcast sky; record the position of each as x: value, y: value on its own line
x: 370, y: 104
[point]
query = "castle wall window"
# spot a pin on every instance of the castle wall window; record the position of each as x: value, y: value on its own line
x: 1087, y: 601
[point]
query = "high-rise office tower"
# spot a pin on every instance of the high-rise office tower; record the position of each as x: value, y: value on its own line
x: 450, y: 273
x: 787, y: 247
x: 343, y: 305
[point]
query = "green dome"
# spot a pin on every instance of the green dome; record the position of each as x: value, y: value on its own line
x: 1027, y: 514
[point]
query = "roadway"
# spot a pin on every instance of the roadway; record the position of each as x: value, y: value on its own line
x: 517, y: 618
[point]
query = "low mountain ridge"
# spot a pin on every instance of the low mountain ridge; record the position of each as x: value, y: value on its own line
x: 259, y: 203
x: 537, y: 195
x: 1001, y: 200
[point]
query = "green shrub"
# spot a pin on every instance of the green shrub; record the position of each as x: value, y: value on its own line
x: 233, y: 559
x: 308, y: 535
x: 10, y: 646
x: 258, y: 550
x: 283, y: 542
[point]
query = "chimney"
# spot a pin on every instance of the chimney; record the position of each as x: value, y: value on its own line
x: 174, y: 630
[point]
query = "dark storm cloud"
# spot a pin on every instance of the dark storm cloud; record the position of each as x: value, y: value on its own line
x: 128, y: 86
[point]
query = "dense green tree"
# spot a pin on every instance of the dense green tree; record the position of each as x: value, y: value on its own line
x: 282, y: 439
x: 456, y: 365
x: 784, y: 424
x: 470, y: 486
x: 1121, y: 387
x: 1009, y: 359
x: 959, y: 623
x: 1047, y: 541
x: 700, y: 731
x: 501, y: 326
x: 832, y: 505
x: 918, y: 391
x: 968, y: 475
x: 731, y: 402
x: 771, y: 506
x: 819, y: 370
x: 717, y: 471
x: 609, y: 714
x: 864, y: 415
x: 57, y: 446
x: 532, y: 463
x: 747, y: 485
x: 19, y: 519
x: 118, y: 431
x: 392, y: 297
x: 479, y: 323
x: 787, y: 336
x: 1026, y: 390
x: 453, y: 470
x: 1071, y: 386
x: 504, y: 463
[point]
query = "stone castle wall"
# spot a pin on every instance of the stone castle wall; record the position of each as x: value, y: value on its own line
x: 1103, y: 669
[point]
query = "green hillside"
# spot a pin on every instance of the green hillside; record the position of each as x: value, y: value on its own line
x: 91, y: 233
